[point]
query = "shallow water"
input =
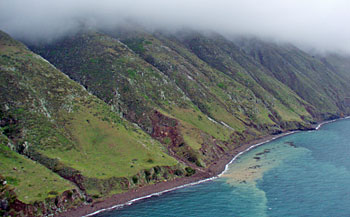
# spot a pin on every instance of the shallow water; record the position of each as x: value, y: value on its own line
x: 304, y: 174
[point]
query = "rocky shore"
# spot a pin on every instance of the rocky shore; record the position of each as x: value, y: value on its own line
x: 147, y: 191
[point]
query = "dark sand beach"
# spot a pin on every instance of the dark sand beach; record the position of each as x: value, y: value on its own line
x: 213, y: 171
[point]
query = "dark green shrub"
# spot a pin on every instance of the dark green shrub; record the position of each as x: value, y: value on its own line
x: 70, y: 194
x: 190, y: 171
x: 148, y: 175
x: 222, y: 86
x: 11, y: 180
x: 53, y: 193
x: 135, y: 179
x: 157, y: 169
x: 178, y: 172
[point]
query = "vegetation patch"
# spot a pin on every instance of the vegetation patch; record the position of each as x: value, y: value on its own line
x: 32, y: 181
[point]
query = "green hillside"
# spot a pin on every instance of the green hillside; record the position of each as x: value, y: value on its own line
x: 102, y: 112
x: 315, y: 82
x: 52, y: 126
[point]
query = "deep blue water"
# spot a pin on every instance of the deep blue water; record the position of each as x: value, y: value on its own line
x: 304, y: 174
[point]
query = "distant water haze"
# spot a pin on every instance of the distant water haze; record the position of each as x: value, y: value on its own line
x: 303, y: 174
x: 318, y: 25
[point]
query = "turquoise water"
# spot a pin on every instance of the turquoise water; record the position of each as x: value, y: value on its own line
x: 304, y: 174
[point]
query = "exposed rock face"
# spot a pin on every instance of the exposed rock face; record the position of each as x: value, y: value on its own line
x: 165, y: 127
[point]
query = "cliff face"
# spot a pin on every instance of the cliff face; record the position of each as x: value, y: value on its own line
x: 146, y: 107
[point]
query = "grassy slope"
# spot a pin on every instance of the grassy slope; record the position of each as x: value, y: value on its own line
x: 233, y: 99
x: 56, y: 117
x: 32, y: 181
x: 118, y: 150
x: 338, y: 63
x: 135, y: 87
x: 317, y: 84
x: 226, y: 57
x: 234, y: 87
x: 197, y: 86
x: 255, y: 102
x: 202, y: 82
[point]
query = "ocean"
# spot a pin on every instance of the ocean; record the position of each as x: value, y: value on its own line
x: 302, y: 174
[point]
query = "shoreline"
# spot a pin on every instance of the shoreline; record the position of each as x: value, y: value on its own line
x: 214, y: 171
x: 330, y: 121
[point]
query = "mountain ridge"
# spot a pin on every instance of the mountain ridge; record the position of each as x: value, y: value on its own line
x: 155, y: 105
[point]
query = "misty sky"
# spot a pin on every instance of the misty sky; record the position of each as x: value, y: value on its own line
x: 319, y: 24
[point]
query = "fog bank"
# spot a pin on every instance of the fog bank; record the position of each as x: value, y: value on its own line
x: 322, y: 25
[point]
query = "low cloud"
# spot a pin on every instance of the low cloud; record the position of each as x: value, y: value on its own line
x: 322, y: 25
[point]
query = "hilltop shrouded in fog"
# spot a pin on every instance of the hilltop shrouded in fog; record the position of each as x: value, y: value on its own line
x: 314, y: 24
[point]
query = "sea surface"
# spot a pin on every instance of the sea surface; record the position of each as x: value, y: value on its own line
x: 303, y: 174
